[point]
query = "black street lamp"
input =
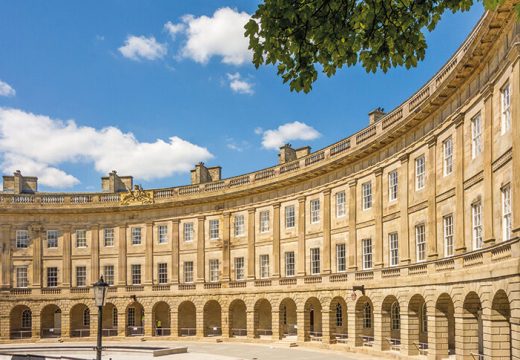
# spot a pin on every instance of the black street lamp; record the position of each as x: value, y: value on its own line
x: 100, y: 295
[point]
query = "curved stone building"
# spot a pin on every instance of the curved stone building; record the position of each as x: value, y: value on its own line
x: 419, y: 213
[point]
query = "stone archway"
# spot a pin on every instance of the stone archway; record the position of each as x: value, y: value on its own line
x: 288, y: 320
x: 499, y: 347
x: 135, y: 319
x: 110, y: 320
x: 417, y: 326
x: 187, y: 319
x: 212, y: 319
x: 50, y: 321
x: 312, y: 320
x: 237, y: 318
x: 161, y: 322
x: 263, y: 325
x: 20, y: 322
x: 444, y: 327
x: 472, y: 329
x: 390, y: 324
x: 364, y: 322
x: 338, y: 320
x: 79, y: 321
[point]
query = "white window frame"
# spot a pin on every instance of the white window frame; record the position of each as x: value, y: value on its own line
x: 135, y: 272
x: 86, y: 318
x: 26, y: 319
x: 214, y: 270
x: 264, y: 221
x: 507, y: 216
x: 162, y: 273
x: 187, y: 272
x: 393, y: 249
x: 162, y: 234
x: 264, y: 266
x: 476, y: 225
x: 81, y: 276
x: 505, y: 106
x: 315, y: 211
x: 81, y: 238
x: 420, y: 242
x: 239, y: 268
x: 188, y: 231
x: 395, y: 316
x: 420, y: 172
x: 315, y: 261
x: 476, y: 136
x: 214, y: 225
x: 290, y: 217
x: 367, y: 195
x: 108, y: 237
x: 448, y: 227
x: 340, y: 204
x: 367, y: 316
x: 341, y: 257
x: 109, y: 274
x: 131, y: 316
x: 367, y: 254
x: 52, y: 239
x: 393, y: 185
x: 137, y: 235
x: 447, y: 151
x: 52, y: 274
x: 22, y: 239
x: 22, y: 279
x: 239, y: 225
x: 290, y: 264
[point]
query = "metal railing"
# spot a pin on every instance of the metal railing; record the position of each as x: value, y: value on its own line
x: 109, y: 332
x: 51, y: 332
x: 395, y: 344
x: 21, y: 334
x: 213, y: 331
x: 340, y: 337
x: 162, y: 331
x: 315, y: 335
x: 238, y: 332
x: 367, y: 340
x: 135, y: 330
x: 477, y: 356
x: 422, y: 347
x: 80, y: 333
x: 264, y: 332
x: 188, y: 331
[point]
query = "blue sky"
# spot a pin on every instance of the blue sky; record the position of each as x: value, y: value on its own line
x: 189, y: 84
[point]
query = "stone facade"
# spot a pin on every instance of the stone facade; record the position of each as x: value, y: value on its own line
x: 421, y: 209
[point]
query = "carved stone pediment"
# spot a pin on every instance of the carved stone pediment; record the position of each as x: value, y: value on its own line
x: 138, y: 196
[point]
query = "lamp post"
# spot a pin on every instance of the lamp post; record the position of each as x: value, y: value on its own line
x: 100, y: 292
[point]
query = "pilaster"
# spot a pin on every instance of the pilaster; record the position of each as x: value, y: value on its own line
x: 276, y: 240
x: 431, y: 178
x: 326, y: 233
x: 94, y: 260
x: 174, y: 225
x: 5, y: 252
x: 378, y: 219
x: 352, y: 236
x: 67, y: 255
x: 35, y: 235
x: 226, y: 248
x: 200, y: 250
x: 460, y: 246
x: 251, y: 244
x: 404, y: 238
x: 121, y: 269
x: 487, y: 208
x: 515, y: 135
x: 300, y: 264
x: 148, y: 258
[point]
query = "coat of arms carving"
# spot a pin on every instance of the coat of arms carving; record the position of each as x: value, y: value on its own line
x: 137, y: 196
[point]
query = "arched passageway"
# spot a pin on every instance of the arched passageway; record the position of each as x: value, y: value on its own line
x: 50, y: 321
x: 161, y: 319
x: 417, y: 326
x: 288, y: 321
x: 237, y: 318
x: 391, y: 324
x: 80, y: 321
x: 312, y: 320
x: 212, y: 319
x: 20, y: 322
x: 263, y: 318
x: 499, y: 323
x: 187, y: 319
x: 444, y: 327
x: 364, y: 322
x: 110, y: 320
x: 338, y: 320
x: 135, y: 319
x: 472, y: 343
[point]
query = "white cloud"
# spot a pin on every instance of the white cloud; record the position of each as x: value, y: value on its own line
x: 46, y: 143
x: 6, y: 89
x: 174, y: 29
x: 239, y: 85
x: 273, y: 139
x: 141, y: 47
x: 221, y: 35
x: 237, y: 146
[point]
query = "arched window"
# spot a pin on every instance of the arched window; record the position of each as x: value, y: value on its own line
x: 339, y: 315
x: 367, y: 316
x: 284, y: 313
x: 86, y: 317
x: 26, y: 319
x: 395, y: 316
x: 114, y: 317
x: 424, y: 319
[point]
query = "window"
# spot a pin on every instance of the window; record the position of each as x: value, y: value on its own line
x: 392, y: 185
x: 367, y: 253
x: 22, y: 239
x: 420, y: 242
x: 213, y: 270
x: 395, y: 316
x: 52, y: 239
x: 108, y: 274
x: 136, y: 236
x: 447, y: 149
x: 367, y: 316
x: 81, y: 276
x: 239, y: 268
x: 264, y: 266
x: 26, y: 319
x: 213, y: 229
x: 393, y: 246
x: 114, y: 317
x: 448, y: 234
x: 131, y: 316
x: 188, y: 271
x: 52, y: 277
x: 424, y: 318
x: 136, y: 274
x: 239, y: 225
x: 284, y: 314
x: 188, y: 231
x: 315, y: 261
x: 264, y: 221
x: 315, y: 211
x: 162, y: 273
x: 339, y: 315
x: 505, y: 100
x: 340, y: 204
x: 21, y: 277
x: 367, y: 195
x: 86, y: 318
x: 476, y: 211
x: 341, y: 259
x: 108, y: 236
x: 289, y: 264
x: 289, y: 217
x: 420, y: 170
x: 506, y: 212
x: 81, y: 238
x: 162, y: 231
x: 476, y: 136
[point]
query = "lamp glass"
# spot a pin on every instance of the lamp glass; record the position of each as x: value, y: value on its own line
x: 100, y: 291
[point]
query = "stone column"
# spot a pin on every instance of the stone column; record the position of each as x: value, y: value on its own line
x: 251, y: 244
x: 515, y: 135
x: 352, y: 236
x: 36, y: 324
x: 276, y: 240
x: 121, y: 322
x: 174, y: 224
x: 302, y: 326
x: 275, y: 324
x: 148, y: 320
x: 174, y: 322
x: 409, y: 331
x: 225, y: 247
x: 498, y: 337
x: 379, y: 331
x: 300, y: 265
x: 351, y: 324
x: 250, y: 314
x: 326, y: 233
x: 225, y: 321
x: 404, y: 238
x: 67, y: 255
x: 487, y: 153
x: 437, y: 336
x: 94, y: 255
x: 201, y: 258
x: 35, y: 234
x: 199, y: 324
x: 431, y: 176
x: 378, y: 218
x: 5, y: 251
x: 325, y: 326
x: 65, y: 324
x: 148, y: 254
x: 121, y: 269
x: 460, y: 246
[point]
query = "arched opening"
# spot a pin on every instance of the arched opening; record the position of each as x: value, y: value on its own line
x: 237, y: 319
x: 472, y: 334
x: 161, y: 319
x: 263, y: 319
x: 187, y: 319
x: 391, y: 324
x: 212, y: 319
x: 288, y: 323
x: 444, y: 325
x: 135, y: 319
x: 417, y: 326
x: 80, y: 321
x: 364, y: 322
x: 312, y: 320
x: 20, y: 321
x: 110, y: 320
x: 501, y: 324
x: 50, y: 320
x: 338, y: 320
